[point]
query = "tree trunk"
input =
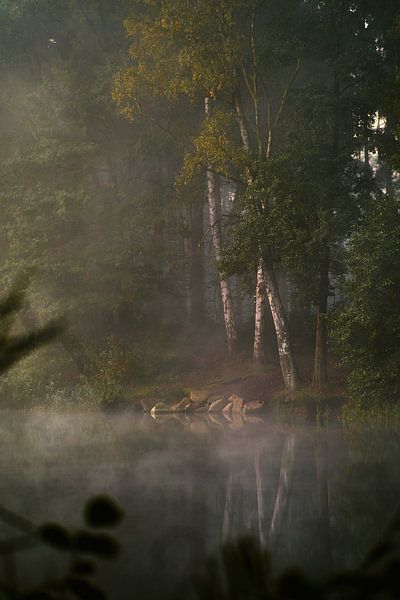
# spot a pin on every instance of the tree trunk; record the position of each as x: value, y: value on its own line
x: 324, y: 508
x: 285, y: 477
x: 216, y: 234
x: 259, y: 316
x: 259, y: 320
x: 259, y: 496
x: 227, y: 520
x: 197, y: 263
x: 320, y: 375
x: 284, y: 291
x: 238, y: 304
x: 289, y: 369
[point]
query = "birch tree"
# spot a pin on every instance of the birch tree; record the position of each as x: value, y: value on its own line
x: 169, y: 61
x: 209, y: 50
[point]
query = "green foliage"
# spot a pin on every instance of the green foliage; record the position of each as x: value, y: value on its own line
x: 179, y: 48
x: 87, y: 198
x: 367, y: 332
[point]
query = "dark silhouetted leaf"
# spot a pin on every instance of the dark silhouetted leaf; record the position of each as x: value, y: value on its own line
x: 55, y: 536
x: 102, y: 511
x: 84, y: 589
x: 38, y: 595
x: 83, y: 567
x: 292, y: 584
x: 19, y: 346
x: 94, y: 543
x: 380, y: 552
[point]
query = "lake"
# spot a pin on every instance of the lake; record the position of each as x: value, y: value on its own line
x: 317, y: 495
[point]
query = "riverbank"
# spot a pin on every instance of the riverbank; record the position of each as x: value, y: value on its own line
x: 253, y: 384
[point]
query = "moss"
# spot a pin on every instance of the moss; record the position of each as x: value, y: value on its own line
x: 169, y: 392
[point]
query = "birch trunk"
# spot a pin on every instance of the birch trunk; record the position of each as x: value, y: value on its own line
x: 324, y: 508
x: 259, y: 494
x: 259, y: 315
x: 216, y: 234
x: 288, y: 365
x: 285, y: 476
x: 259, y: 318
x: 227, y: 521
x: 266, y: 280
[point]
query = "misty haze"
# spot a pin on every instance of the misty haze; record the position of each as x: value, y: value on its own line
x: 199, y: 308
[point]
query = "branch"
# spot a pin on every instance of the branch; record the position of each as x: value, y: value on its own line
x: 157, y: 124
x: 215, y: 172
x: 14, y: 520
x: 255, y: 93
x: 91, y: 24
x: 286, y: 91
x: 244, y: 134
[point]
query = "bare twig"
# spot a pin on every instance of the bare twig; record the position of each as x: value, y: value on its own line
x: 286, y: 91
x: 91, y: 24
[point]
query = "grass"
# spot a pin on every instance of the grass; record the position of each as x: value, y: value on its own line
x: 372, y: 413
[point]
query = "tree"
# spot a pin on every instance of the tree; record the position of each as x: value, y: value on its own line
x: 173, y: 57
x: 87, y: 199
x: 167, y: 61
x: 313, y: 184
x: 367, y: 332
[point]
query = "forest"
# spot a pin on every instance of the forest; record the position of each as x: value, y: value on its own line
x: 200, y: 283
x: 200, y: 182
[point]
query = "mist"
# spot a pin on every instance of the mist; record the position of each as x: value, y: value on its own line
x: 200, y: 273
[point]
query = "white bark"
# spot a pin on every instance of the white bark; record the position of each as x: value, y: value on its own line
x: 286, y: 358
x: 260, y: 503
x: 283, y: 485
x: 266, y: 284
x: 213, y: 197
x: 227, y: 524
x: 259, y: 318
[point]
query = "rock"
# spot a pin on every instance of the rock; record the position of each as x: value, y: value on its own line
x: 148, y: 403
x: 197, y: 396
x: 160, y: 407
x: 161, y: 417
x: 215, y: 419
x: 202, y: 409
x: 215, y: 397
x: 237, y: 403
x: 236, y: 421
x: 217, y: 405
x: 200, y: 405
x: 228, y: 408
x: 253, y: 406
x: 180, y: 418
x: 181, y: 405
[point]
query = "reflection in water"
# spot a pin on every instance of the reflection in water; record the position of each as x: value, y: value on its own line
x: 285, y: 479
x: 318, y: 497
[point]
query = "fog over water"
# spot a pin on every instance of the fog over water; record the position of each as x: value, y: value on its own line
x: 319, y: 496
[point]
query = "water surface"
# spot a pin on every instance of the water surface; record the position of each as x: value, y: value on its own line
x: 317, y: 496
